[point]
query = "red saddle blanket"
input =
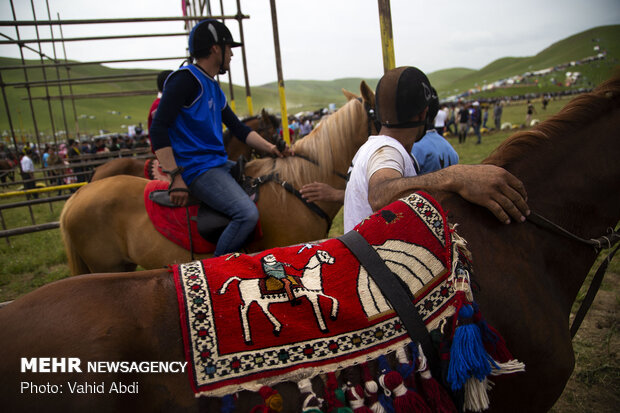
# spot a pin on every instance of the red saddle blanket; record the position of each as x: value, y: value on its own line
x: 172, y: 222
x: 237, y: 336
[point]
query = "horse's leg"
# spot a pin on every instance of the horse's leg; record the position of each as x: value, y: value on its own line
x: 277, y: 326
x: 335, y: 305
x: 243, y: 313
x: 314, y: 299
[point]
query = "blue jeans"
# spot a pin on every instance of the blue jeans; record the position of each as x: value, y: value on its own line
x: 219, y: 190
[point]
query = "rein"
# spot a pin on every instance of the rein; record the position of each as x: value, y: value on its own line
x: 275, y: 177
x: 599, y: 244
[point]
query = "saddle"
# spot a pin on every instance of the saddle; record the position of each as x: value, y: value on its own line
x: 271, y: 285
x: 208, y: 223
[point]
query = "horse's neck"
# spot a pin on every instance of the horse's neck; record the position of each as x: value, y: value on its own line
x: 574, y: 181
x: 312, y: 274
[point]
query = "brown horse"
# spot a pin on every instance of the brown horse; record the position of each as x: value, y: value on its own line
x: 106, y: 228
x: 528, y: 279
x: 7, y: 169
x: 265, y: 124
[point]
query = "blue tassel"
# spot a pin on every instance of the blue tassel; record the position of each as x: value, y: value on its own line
x: 468, y: 358
x: 413, y: 348
x: 406, y: 370
x: 228, y: 404
x: 384, y: 400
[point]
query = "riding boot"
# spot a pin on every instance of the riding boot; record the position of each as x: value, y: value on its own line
x: 289, y: 293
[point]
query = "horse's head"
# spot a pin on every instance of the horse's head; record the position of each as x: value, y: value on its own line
x: 269, y: 125
x: 324, y: 257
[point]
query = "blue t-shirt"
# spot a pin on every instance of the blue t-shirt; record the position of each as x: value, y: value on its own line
x: 434, y: 152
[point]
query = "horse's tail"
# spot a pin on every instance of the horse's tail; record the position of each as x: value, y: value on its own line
x: 76, y: 263
x: 225, y: 286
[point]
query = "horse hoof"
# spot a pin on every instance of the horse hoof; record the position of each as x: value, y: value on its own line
x: 333, y: 317
x: 249, y: 342
x: 325, y: 330
x: 276, y: 332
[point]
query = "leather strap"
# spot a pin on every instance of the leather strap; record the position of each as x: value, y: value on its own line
x: 394, y: 292
x: 591, y: 294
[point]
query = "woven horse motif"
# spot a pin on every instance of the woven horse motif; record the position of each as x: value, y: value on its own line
x: 312, y: 289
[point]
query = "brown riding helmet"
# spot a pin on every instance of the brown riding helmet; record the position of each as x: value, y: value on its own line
x: 402, y: 94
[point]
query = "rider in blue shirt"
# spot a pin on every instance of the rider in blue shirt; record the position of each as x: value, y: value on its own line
x: 187, y: 135
x: 433, y: 152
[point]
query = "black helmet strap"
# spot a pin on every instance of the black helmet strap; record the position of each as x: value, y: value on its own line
x: 223, y: 47
x: 405, y: 125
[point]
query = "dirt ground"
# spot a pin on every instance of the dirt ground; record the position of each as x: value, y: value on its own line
x: 595, y: 383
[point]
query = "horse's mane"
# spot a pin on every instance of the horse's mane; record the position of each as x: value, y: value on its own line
x: 581, y: 110
x: 328, y: 143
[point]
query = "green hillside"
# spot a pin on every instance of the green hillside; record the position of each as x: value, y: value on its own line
x: 571, y: 49
x: 116, y: 113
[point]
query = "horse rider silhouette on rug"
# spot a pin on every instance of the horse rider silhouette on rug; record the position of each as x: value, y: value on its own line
x: 187, y: 135
x: 275, y: 269
x: 383, y: 167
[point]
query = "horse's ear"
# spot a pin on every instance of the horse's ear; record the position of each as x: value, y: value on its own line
x: 349, y: 95
x: 367, y: 94
x: 264, y: 114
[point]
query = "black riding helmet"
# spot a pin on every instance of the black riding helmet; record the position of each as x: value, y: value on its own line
x: 207, y: 33
x: 401, y: 94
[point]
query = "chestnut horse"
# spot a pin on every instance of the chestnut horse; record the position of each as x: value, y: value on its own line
x: 7, y: 169
x: 106, y: 228
x: 528, y: 279
x: 265, y: 124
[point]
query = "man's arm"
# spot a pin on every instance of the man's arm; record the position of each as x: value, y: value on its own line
x: 486, y: 185
x: 259, y: 143
x: 182, y: 89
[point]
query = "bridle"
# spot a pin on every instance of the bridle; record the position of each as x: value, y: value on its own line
x: 599, y: 244
x: 372, y: 117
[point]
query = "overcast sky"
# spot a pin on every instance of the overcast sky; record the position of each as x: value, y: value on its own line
x: 324, y: 39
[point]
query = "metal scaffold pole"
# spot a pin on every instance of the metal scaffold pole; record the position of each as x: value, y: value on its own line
x: 387, y: 40
x: 276, y: 43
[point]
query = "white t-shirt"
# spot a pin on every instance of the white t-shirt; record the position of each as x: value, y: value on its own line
x: 378, y: 152
x: 440, y: 119
x: 27, y: 165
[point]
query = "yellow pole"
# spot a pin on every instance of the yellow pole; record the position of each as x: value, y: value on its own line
x: 387, y: 40
x: 41, y: 190
x: 276, y: 42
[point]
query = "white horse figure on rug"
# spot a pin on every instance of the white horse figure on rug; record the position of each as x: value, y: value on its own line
x: 312, y: 288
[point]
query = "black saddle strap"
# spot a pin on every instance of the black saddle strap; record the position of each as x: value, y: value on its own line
x: 394, y: 292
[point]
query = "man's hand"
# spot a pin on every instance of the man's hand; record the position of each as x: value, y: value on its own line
x: 261, y: 144
x: 179, y: 194
x: 493, y: 188
x: 319, y: 191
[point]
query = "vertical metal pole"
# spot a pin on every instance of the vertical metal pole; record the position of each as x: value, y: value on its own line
x: 276, y: 44
x: 248, y: 92
x: 21, y: 52
x: 8, y: 114
x: 387, y: 41
x: 47, y: 91
x: 60, y: 92
x: 230, y: 82
x: 64, y: 51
